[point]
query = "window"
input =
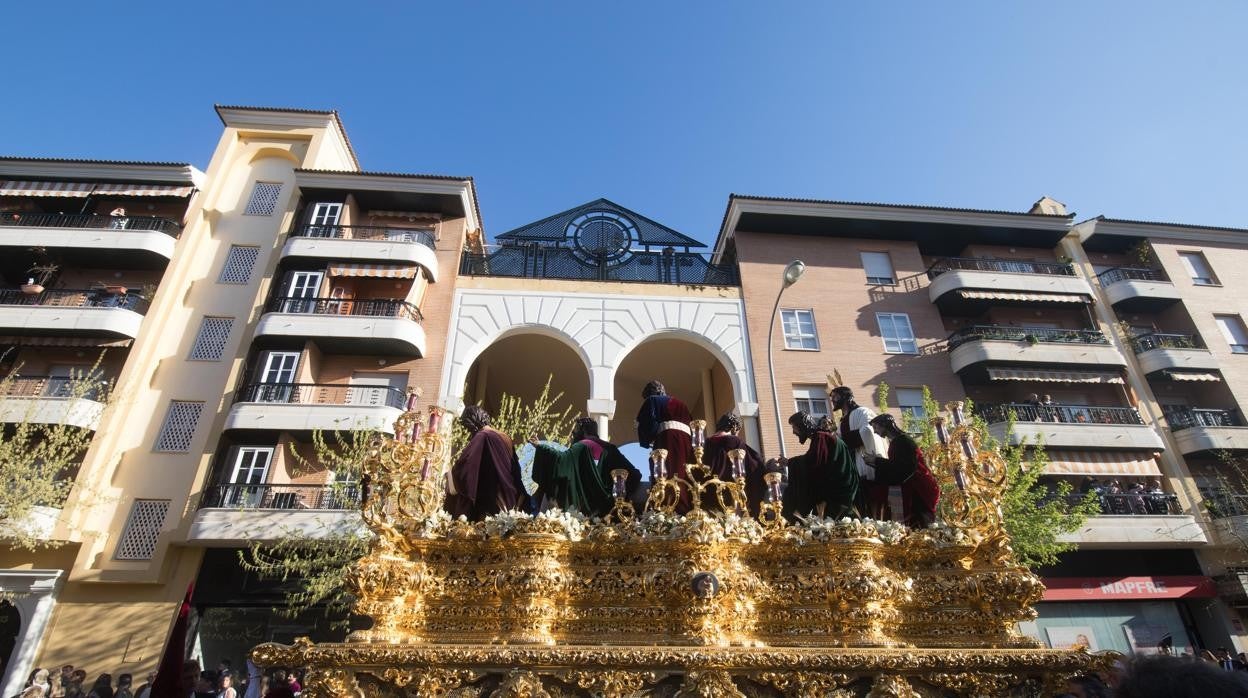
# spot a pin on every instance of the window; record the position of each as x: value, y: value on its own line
x: 1232, y: 327
x: 263, y: 199
x: 251, y: 465
x: 138, y: 538
x: 879, y: 268
x: 911, y: 402
x: 811, y: 399
x: 239, y: 262
x: 897, y: 334
x: 1198, y: 268
x: 179, y: 427
x: 210, y: 341
x: 799, y: 329
x: 325, y: 214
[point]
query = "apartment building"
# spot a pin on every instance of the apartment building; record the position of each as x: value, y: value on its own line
x: 1026, y: 314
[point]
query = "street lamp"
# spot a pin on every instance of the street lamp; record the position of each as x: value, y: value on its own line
x: 792, y: 272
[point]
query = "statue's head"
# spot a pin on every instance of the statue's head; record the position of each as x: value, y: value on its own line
x: 804, y: 425
x: 653, y: 388
x: 474, y: 418
x: 825, y: 424
x: 729, y: 423
x: 885, y: 425
x: 584, y: 427
x: 842, y: 397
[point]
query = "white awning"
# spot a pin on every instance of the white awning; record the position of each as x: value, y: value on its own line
x: 375, y: 271
x: 142, y: 190
x: 81, y: 190
x: 1193, y: 376
x: 1101, y: 463
x: 1025, y: 297
x: 1025, y: 374
x: 62, y: 341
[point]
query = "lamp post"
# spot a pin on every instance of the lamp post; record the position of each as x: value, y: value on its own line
x: 792, y: 272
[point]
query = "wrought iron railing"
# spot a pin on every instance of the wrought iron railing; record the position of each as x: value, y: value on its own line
x: 1113, y: 276
x: 75, y: 298
x: 1188, y: 417
x: 338, y: 497
x: 1157, y: 340
x: 1025, y: 334
x: 366, y: 232
x: 87, y: 220
x: 324, y: 394
x: 371, y: 307
x: 540, y: 262
x: 1135, y: 503
x: 1222, y: 503
x: 1070, y: 414
x: 1004, y: 266
x: 47, y: 386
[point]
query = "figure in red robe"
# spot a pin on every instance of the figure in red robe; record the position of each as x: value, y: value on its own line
x: 485, y: 478
x: 717, y: 458
x: 905, y: 466
x: 663, y: 422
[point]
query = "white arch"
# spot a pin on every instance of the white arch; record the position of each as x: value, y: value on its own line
x: 736, y: 373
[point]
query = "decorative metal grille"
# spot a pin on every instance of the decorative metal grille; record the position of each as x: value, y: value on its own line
x: 138, y: 539
x: 239, y: 262
x: 263, y: 199
x: 179, y: 427
x: 210, y: 342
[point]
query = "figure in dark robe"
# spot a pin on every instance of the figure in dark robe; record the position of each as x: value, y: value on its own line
x: 855, y: 431
x: 906, y: 467
x: 579, y: 478
x: 717, y: 458
x: 485, y: 478
x: 824, y: 480
x: 663, y: 422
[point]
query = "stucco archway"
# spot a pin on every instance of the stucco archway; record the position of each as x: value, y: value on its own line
x: 687, y: 369
x: 519, y: 364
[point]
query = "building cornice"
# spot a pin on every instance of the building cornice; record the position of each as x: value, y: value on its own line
x: 412, y: 184
x: 273, y: 117
x: 92, y: 170
x: 1172, y: 231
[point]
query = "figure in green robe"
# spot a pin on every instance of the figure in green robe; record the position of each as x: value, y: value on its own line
x: 823, y: 481
x: 579, y: 478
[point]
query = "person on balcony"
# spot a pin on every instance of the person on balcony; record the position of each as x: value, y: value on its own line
x: 718, y: 458
x: 824, y: 481
x: 118, y: 219
x: 579, y: 478
x: 485, y: 478
x: 856, y: 432
x: 663, y: 422
x: 906, y: 467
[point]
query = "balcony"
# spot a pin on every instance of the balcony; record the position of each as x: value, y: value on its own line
x: 230, y: 514
x: 48, y: 400
x: 1205, y: 430
x: 1134, y: 289
x: 966, y: 284
x: 1141, y: 520
x: 982, y: 344
x: 308, y: 407
x: 72, y: 312
x: 1159, y: 352
x: 364, y: 244
x: 1071, y: 426
x: 1229, y: 512
x: 106, y: 241
x: 347, y: 326
x: 534, y: 261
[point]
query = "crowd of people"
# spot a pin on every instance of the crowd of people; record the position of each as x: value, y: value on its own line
x: 223, y: 682
x: 1211, y: 673
x: 1137, y: 498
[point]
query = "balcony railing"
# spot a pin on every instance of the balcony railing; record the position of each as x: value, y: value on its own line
x: 1156, y: 340
x: 1135, y: 503
x: 1069, y: 414
x: 1004, y: 266
x: 1025, y: 334
x: 337, y: 497
x: 1113, y: 276
x: 47, y: 386
x: 544, y: 262
x: 1222, y: 503
x: 75, y: 298
x: 87, y: 220
x: 369, y: 307
x: 1187, y: 418
x: 324, y: 394
x: 366, y: 232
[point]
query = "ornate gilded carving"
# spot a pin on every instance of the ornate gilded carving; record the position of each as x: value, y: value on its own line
x: 521, y: 684
x: 892, y: 686
x: 709, y: 684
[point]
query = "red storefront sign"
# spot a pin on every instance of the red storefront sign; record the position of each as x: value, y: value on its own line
x: 1128, y: 588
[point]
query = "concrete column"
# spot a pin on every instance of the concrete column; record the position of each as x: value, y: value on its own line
x: 708, y: 400
x: 748, y: 412
x: 601, y: 410
x: 34, y: 596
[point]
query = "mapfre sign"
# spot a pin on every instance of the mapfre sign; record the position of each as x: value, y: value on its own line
x: 1127, y: 588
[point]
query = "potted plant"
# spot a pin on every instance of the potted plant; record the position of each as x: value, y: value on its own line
x: 112, y: 289
x: 42, y: 273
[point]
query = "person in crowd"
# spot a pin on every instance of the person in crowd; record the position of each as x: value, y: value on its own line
x: 1227, y: 661
x: 38, y: 685
x: 485, y: 478
x: 856, y: 432
x: 206, y: 685
x: 76, y: 684
x: 717, y: 457
x: 905, y: 467
x: 579, y: 478
x: 60, y: 686
x: 226, y: 689
x: 279, y: 687
x: 103, y: 687
x: 292, y: 681
x: 663, y: 422
x: 1135, y: 498
x: 145, y: 688
x: 1174, y: 677
x: 1157, y: 503
x: 823, y: 481
x: 1087, y: 687
x: 124, y: 689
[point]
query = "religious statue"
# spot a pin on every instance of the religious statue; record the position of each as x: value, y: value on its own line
x: 906, y: 467
x: 663, y: 423
x: 855, y: 430
x: 485, y: 478
x: 579, y: 478
x: 824, y: 479
x: 719, y: 459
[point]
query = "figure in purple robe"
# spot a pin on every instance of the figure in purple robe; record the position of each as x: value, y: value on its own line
x: 485, y: 478
x: 663, y: 422
x: 717, y: 457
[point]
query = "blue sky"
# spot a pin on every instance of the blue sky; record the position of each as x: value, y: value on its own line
x: 1128, y: 109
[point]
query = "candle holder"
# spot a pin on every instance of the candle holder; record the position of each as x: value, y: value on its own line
x: 664, y: 491
x: 771, y: 512
x: 623, y: 510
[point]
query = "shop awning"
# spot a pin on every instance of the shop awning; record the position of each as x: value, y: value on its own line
x: 1193, y: 376
x: 1124, y: 588
x: 81, y: 190
x: 28, y: 341
x: 143, y: 190
x: 1025, y: 297
x: 1024, y: 374
x: 374, y: 271
x: 1101, y: 463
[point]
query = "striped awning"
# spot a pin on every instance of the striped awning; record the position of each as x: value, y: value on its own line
x: 1025, y: 374
x: 81, y: 190
x: 1025, y: 297
x: 29, y: 341
x: 375, y: 271
x: 1101, y: 463
x: 1192, y: 376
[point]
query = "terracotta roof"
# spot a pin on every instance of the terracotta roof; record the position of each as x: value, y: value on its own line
x: 1126, y: 221
x: 331, y: 112
x: 80, y: 161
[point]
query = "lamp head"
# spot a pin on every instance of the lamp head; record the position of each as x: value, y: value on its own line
x: 793, y: 271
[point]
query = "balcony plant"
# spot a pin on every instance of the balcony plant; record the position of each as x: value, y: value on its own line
x: 41, y: 274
